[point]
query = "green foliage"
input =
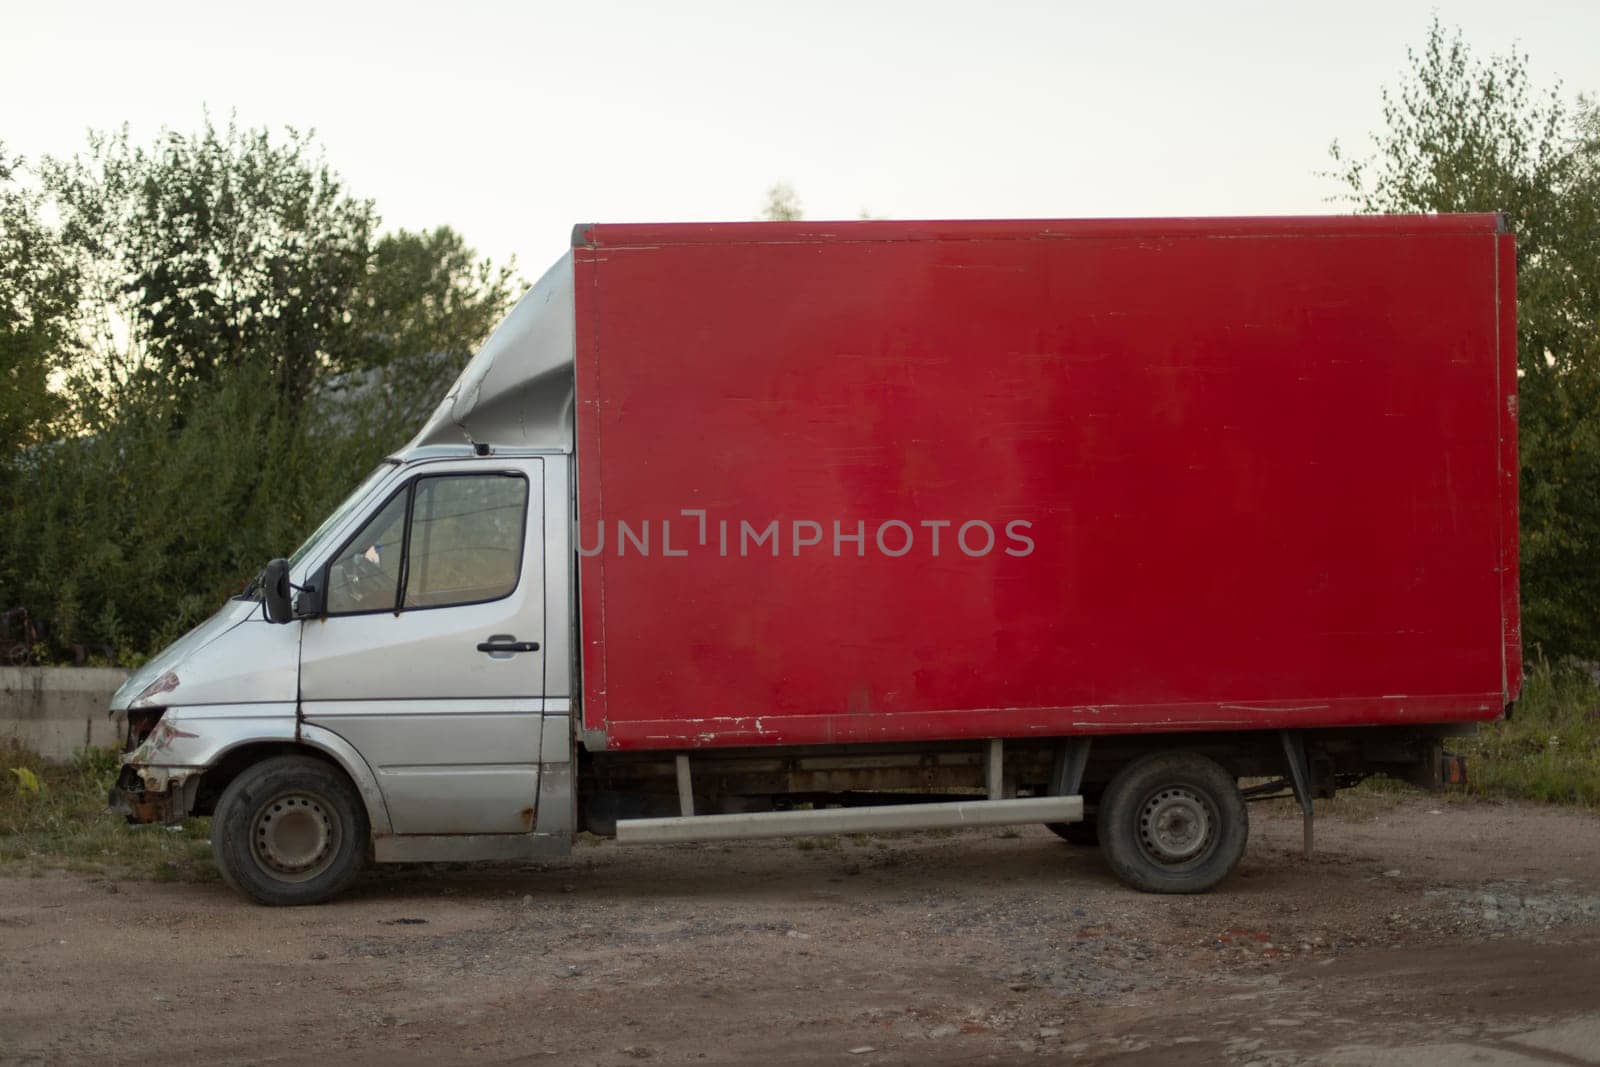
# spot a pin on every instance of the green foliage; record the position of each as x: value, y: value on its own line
x: 38, y: 293
x: 242, y: 346
x: 209, y: 253
x: 1549, y: 749
x: 1469, y: 135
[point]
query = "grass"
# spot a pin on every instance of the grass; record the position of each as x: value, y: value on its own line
x: 1549, y: 750
x: 53, y: 817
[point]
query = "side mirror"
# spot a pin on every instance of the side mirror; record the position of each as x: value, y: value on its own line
x: 275, y: 591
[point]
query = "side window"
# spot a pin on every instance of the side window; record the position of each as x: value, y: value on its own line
x: 466, y: 539
x: 463, y: 546
x: 365, y: 575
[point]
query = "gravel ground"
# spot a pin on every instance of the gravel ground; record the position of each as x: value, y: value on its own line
x: 1421, y: 932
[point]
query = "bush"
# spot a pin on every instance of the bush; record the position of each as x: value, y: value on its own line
x: 1549, y: 749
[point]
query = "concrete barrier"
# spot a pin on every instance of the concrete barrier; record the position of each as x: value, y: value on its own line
x: 55, y: 711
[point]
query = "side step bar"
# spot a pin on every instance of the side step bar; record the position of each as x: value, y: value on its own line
x: 878, y: 819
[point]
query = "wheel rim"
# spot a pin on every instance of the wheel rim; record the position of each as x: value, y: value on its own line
x: 295, y: 836
x: 1177, y: 826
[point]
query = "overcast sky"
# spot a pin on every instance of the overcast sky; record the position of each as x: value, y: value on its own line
x: 513, y: 121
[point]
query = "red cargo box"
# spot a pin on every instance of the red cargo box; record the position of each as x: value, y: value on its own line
x: 1238, y: 473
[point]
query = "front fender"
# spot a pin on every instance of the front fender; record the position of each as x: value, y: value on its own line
x: 188, y: 741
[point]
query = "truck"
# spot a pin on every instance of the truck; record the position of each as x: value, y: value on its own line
x: 744, y: 530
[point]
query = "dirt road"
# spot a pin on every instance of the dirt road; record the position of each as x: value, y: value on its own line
x: 1432, y: 932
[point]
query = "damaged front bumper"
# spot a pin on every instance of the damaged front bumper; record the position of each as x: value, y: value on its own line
x: 164, y: 795
x: 148, y: 791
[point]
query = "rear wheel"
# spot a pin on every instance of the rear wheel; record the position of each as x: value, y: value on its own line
x: 289, y: 830
x: 1173, y: 822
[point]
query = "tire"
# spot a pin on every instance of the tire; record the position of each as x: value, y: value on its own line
x: 1085, y: 833
x: 290, y: 830
x: 1173, y: 822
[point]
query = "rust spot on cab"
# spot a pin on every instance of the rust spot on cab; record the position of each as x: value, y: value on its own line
x: 527, y: 817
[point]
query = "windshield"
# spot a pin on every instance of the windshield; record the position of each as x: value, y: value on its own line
x: 338, y: 513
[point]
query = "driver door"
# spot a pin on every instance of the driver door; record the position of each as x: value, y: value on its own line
x: 428, y: 657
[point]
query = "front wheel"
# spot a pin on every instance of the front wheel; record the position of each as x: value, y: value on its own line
x: 1173, y: 822
x: 290, y: 830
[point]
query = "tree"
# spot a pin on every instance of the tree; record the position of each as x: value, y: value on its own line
x: 424, y: 303
x: 1463, y: 134
x: 783, y: 204
x: 232, y: 344
x: 208, y: 252
x: 38, y: 294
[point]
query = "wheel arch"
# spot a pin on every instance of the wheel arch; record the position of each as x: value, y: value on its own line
x: 315, y: 742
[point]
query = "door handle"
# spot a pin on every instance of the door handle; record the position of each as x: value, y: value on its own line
x: 505, y: 644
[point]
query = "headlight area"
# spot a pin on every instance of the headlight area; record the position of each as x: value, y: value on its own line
x: 141, y: 723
